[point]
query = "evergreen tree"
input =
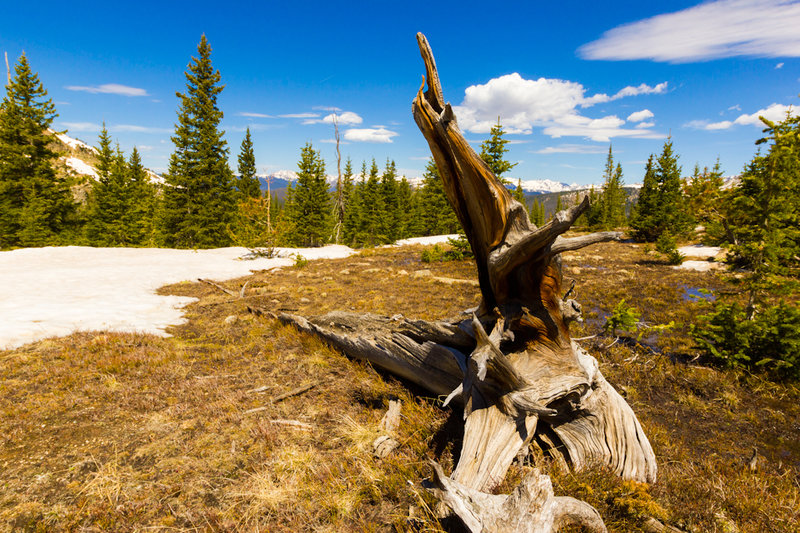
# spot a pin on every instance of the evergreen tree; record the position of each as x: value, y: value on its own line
x: 141, y: 216
x: 436, y: 213
x: 536, y: 212
x: 493, y: 151
x: 644, y: 218
x: 519, y: 194
x: 199, y: 196
x: 662, y: 206
x: 390, y: 217
x: 247, y: 184
x: 405, y: 209
x: 35, y: 206
x: 675, y: 218
x: 703, y: 192
x: 309, y: 209
x: 613, y: 200
x: 111, y: 199
x: 369, y: 228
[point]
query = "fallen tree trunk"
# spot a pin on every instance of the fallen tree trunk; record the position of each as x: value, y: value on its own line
x: 512, y: 366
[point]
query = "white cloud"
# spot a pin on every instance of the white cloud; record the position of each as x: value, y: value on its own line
x: 253, y: 115
x: 549, y: 103
x: 300, y: 115
x: 572, y: 149
x: 639, y: 116
x: 110, y: 88
x: 347, y: 118
x: 139, y: 129
x: 372, y: 135
x: 711, y: 30
x: 81, y: 126
x: 645, y: 125
x: 642, y: 88
x: 736, y: 107
x: 774, y: 113
x: 778, y: 66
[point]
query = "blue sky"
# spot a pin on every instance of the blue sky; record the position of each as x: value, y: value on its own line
x: 566, y: 80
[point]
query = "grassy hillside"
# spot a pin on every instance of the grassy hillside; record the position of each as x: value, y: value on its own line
x: 120, y: 432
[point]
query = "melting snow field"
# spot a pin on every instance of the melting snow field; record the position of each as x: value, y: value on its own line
x: 54, y: 291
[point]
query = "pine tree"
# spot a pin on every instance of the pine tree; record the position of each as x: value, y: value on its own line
x: 613, y: 203
x: 405, y: 209
x: 437, y: 215
x: 141, y: 216
x: 199, y: 196
x: 35, y: 206
x: 111, y: 198
x: 389, y: 222
x: 519, y: 194
x: 675, y: 218
x: 247, y: 184
x: 644, y: 218
x: 661, y: 207
x: 703, y: 191
x: 493, y: 150
x: 309, y: 206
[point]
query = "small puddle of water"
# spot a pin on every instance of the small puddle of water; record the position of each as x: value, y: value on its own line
x: 696, y: 294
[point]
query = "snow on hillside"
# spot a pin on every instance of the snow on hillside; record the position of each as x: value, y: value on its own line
x: 74, y: 143
x: 81, y: 167
x: 545, y: 186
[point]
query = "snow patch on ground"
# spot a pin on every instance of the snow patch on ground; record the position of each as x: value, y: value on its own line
x: 81, y: 167
x: 435, y: 239
x: 700, y: 266
x: 54, y: 291
x: 698, y: 250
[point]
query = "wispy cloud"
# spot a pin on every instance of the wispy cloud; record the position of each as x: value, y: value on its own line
x: 775, y: 113
x: 81, y: 126
x: 639, y: 116
x: 371, y: 135
x: 625, y: 91
x: 778, y: 66
x: 299, y: 115
x: 711, y: 30
x: 347, y: 118
x: 551, y: 104
x: 109, y: 88
x: 572, y: 149
x: 138, y: 129
x: 253, y: 115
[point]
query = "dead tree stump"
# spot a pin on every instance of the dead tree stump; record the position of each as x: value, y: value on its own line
x: 513, y: 366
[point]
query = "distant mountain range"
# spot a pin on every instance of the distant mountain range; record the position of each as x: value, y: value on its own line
x: 79, y: 159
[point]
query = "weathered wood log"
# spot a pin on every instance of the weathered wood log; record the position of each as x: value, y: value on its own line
x: 524, y: 377
x: 530, y: 508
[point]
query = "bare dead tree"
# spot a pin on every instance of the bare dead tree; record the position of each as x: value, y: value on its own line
x: 512, y: 366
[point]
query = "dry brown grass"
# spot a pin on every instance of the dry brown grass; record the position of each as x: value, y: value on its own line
x: 118, y: 432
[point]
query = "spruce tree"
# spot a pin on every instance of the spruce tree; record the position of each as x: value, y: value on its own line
x: 493, y: 151
x: 247, y: 184
x: 438, y: 217
x: 389, y: 222
x: 199, y: 194
x: 519, y: 194
x: 35, y: 206
x: 644, y: 218
x: 141, y: 216
x: 613, y: 200
x: 309, y: 206
x: 405, y: 209
x: 675, y: 218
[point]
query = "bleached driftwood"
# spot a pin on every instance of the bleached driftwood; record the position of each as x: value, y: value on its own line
x: 512, y: 366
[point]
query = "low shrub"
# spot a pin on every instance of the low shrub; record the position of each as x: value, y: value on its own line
x: 769, y: 341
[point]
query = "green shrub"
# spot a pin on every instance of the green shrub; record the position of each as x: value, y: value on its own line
x: 769, y: 341
x: 459, y: 250
x: 667, y: 246
x: 623, y: 317
x: 300, y: 261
